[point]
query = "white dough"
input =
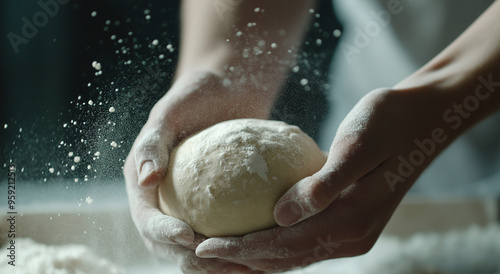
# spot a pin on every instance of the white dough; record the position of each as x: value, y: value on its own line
x: 226, y: 179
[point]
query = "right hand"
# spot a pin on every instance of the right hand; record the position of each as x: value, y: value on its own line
x: 195, y: 101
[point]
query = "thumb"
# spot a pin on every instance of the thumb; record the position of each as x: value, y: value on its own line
x: 313, y: 194
x: 152, y: 155
x: 306, y: 198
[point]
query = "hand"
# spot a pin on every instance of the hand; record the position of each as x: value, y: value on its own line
x: 341, y: 210
x: 165, y: 236
x: 194, y: 102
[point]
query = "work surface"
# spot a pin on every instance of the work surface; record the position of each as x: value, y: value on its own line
x: 453, y: 232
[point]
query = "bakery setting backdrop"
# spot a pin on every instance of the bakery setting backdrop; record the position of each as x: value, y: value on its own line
x: 73, y: 82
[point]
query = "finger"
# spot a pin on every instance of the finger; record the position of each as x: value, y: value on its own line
x: 188, y: 262
x: 151, y: 222
x: 352, y: 155
x: 151, y: 156
x: 167, y: 229
x: 264, y: 250
x: 235, y: 248
x: 268, y: 244
x: 313, y: 194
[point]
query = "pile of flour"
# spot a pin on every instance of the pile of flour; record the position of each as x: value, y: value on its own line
x: 33, y: 257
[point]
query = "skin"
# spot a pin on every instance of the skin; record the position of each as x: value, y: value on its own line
x: 341, y: 210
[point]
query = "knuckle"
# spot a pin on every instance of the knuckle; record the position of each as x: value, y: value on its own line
x: 381, y: 92
x: 152, y: 229
x: 150, y: 139
x: 378, y: 95
x: 318, y: 197
x: 154, y: 144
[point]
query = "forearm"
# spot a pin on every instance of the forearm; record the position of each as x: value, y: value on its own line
x: 251, y: 43
x: 466, y: 73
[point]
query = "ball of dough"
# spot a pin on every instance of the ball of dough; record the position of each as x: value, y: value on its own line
x: 226, y: 179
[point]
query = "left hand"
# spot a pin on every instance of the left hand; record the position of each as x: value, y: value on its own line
x: 341, y: 210
x: 196, y: 100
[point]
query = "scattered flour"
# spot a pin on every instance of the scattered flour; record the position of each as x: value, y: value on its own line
x: 337, y: 33
x: 96, y: 65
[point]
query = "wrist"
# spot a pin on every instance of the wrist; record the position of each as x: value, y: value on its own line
x: 464, y: 96
x: 212, y: 60
x: 199, y: 99
x: 242, y: 69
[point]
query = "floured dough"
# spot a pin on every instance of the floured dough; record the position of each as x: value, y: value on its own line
x: 226, y: 179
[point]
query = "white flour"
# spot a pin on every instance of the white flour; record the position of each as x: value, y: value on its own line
x: 38, y: 258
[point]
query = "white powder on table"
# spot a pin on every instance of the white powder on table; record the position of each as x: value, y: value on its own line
x: 33, y: 257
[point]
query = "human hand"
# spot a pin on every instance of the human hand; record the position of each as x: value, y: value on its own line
x: 168, y: 237
x: 194, y: 102
x: 380, y: 149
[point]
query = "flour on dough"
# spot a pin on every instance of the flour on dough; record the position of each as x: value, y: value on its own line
x: 226, y: 179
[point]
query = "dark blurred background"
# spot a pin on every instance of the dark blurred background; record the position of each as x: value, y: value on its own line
x: 57, y: 119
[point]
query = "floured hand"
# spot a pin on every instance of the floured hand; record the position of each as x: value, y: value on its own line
x: 187, y: 108
x: 168, y: 237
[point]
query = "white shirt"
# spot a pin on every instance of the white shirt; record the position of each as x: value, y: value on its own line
x: 385, y: 41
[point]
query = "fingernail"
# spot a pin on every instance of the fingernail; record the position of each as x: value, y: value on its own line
x: 183, y: 241
x: 146, y: 168
x: 288, y: 213
x: 206, y: 255
x: 203, y: 253
x: 207, y: 249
